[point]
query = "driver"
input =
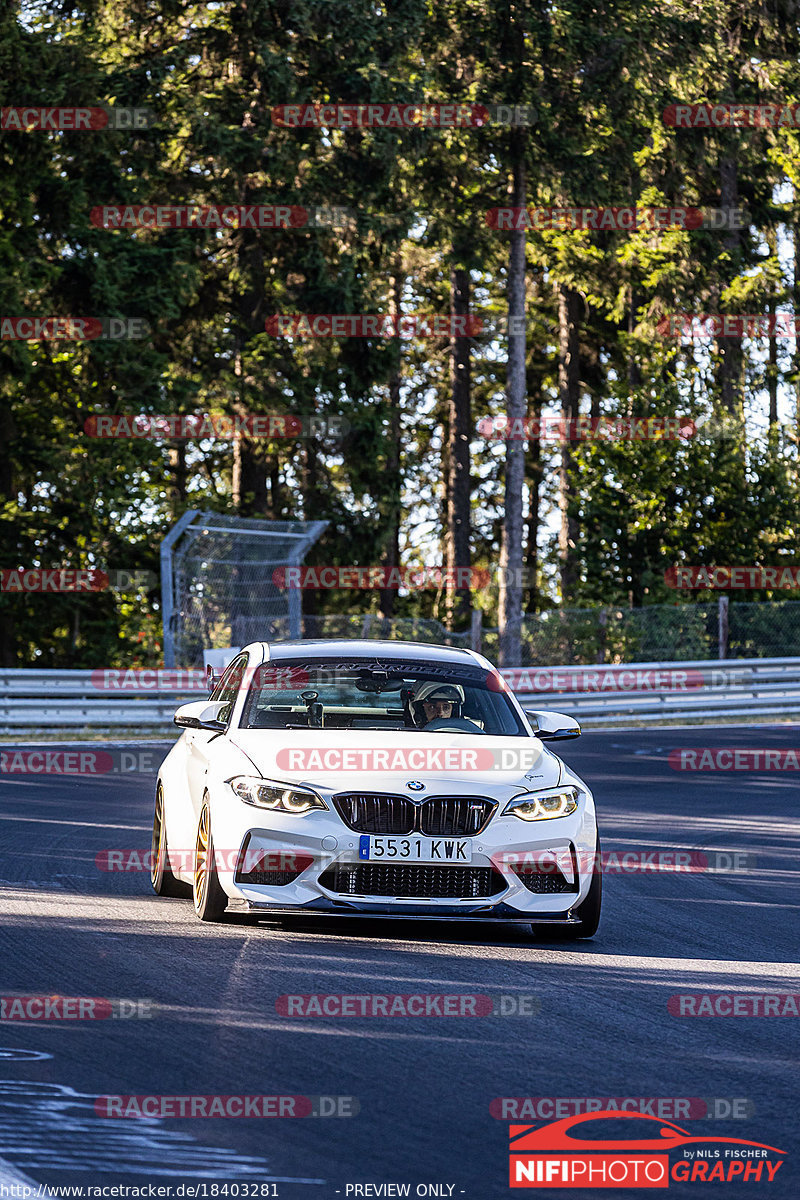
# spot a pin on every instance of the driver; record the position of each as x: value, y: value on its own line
x: 436, y: 702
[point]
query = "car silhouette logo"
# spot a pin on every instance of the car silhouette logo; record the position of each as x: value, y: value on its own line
x: 415, y: 785
x: 557, y: 1135
x: 552, y: 1155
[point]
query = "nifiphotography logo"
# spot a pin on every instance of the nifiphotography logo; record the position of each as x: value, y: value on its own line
x: 595, y: 1150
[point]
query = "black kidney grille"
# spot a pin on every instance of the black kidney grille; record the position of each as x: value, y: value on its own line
x: 419, y: 881
x: 367, y: 813
x: 448, y: 816
x: 455, y: 815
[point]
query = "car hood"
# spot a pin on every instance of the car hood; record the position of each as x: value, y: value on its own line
x: 339, y: 760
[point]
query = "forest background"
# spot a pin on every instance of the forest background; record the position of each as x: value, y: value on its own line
x: 589, y: 524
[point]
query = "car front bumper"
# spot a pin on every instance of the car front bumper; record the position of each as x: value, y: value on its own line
x: 324, y: 837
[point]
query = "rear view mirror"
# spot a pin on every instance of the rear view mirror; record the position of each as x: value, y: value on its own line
x: 200, y: 715
x: 553, y: 726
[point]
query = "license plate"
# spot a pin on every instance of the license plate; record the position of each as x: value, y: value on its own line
x: 428, y: 850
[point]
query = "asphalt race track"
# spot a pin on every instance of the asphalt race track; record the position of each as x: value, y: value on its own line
x: 424, y: 1084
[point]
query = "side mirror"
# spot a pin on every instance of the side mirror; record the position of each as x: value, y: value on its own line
x: 200, y: 715
x: 553, y: 726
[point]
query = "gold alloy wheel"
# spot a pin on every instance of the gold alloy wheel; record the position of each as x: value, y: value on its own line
x: 157, y: 841
x: 201, y: 859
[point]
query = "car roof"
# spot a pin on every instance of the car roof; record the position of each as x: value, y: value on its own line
x: 369, y: 648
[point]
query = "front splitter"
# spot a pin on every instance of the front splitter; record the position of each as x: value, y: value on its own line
x: 498, y: 913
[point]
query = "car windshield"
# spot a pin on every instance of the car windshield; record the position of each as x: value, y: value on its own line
x: 392, y: 694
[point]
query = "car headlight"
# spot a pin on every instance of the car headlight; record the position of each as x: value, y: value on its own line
x: 280, y: 797
x: 543, y: 806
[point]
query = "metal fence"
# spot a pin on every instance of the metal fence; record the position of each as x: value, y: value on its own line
x: 585, y: 636
x: 217, y: 582
x: 367, y: 625
x: 633, y: 694
x: 658, y: 633
x: 646, y: 692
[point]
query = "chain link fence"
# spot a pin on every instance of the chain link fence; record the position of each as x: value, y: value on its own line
x: 218, y: 582
x: 219, y: 589
x: 586, y: 636
x: 367, y: 625
x: 658, y: 633
x: 582, y: 636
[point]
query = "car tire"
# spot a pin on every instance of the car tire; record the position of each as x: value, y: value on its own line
x: 587, y: 912
x: 163, y: 882
x: 210, y: 901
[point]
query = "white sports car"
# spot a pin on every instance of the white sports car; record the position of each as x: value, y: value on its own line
x: 379, y: 778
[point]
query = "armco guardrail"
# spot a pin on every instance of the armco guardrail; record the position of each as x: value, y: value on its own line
x: 640, y: 693
x: 632, y: 693
x: 101, y: 699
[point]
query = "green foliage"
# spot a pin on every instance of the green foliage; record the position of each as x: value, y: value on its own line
x: 600, y: 77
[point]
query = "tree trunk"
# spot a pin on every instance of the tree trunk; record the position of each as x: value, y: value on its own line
x: 458, y: 602
x: 534, y: 472
x: 796, y: 311
x: 534, y: 479
x: 249, y: 484
x: 772, y: 372
x: 8, y: 657
x: 730, y: 349
x: 634, y: 374
x: 177, y: 489
x: 275, y: 507
x: 249, y: 479
x: 510, y: 601
x: 570, y: 309
x: 393, y: 482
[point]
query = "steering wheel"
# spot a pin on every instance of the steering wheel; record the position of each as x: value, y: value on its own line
x: 451, y: 725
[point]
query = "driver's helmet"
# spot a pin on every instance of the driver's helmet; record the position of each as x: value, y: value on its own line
x: 451, y: 693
